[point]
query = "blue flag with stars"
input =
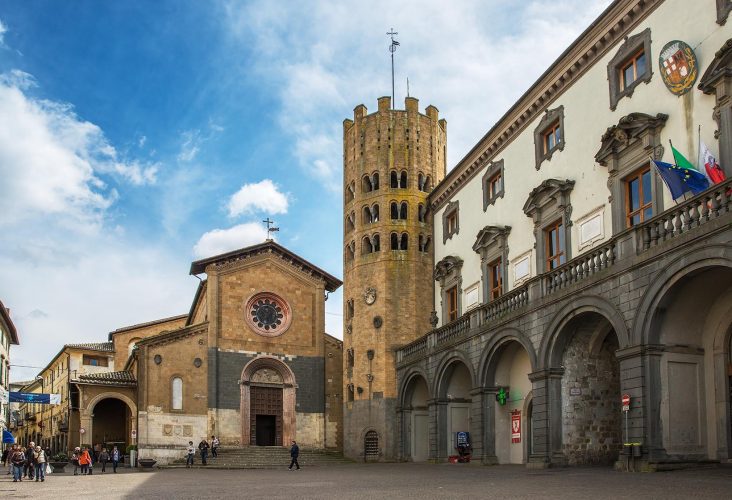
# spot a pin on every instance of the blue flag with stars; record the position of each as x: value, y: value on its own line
x: 681, y: 180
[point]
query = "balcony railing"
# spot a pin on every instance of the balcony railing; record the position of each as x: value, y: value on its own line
x: 714, y: 203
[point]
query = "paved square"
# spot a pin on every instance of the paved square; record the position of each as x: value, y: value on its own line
x: 381, y: 481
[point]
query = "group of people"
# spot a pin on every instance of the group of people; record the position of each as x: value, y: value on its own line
x: 83, y: 459
x: 203, y: 448
x: 29, y: 463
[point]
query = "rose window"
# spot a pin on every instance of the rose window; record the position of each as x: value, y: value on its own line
x: 268, y: 314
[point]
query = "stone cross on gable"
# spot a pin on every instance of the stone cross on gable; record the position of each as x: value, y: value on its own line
x: 270, y: 228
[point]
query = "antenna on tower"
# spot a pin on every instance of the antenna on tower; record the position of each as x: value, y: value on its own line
x: 392, y: 49
x: 407, y: 86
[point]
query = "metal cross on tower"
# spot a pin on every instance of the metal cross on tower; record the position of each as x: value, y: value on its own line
x: 392, y: 49
x: 270, y: 228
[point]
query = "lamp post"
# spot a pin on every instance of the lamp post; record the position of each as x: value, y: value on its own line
x: 39, y: 378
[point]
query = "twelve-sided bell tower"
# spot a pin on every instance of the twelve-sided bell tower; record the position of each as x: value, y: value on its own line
x: 392, y: 159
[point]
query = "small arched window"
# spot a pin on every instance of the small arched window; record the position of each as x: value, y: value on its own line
x: 394, y: 179
x: 367, y: 186
x: 403, y: 180
x: 375, y: 181
x: 375, y: 213
x: 376, y: 243
x: 424, y: 243
x: 403, y: 211
x: 403, y: 243
x: 420, y: 181
x: 427, y: 184
x: 394, y: 209
x: 366, y: 246
x: 351, y: 191
x: 394, y: 241
x: 367, y: 217
x: 420, y: 212
x: 177, y: 396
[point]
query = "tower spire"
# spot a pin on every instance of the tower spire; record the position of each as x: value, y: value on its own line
x: 392, y: 49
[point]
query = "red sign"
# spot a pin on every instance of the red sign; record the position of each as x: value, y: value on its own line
x: 516, y: 426
x: 626, y: 399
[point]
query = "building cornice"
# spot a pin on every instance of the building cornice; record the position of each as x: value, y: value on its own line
x: 175, y: 335
x: 614, y: 24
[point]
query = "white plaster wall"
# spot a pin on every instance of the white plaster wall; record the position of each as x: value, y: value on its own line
x: 587, y: 115
x: 512, y: 371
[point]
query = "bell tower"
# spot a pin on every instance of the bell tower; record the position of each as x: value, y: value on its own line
x: 391, y: 159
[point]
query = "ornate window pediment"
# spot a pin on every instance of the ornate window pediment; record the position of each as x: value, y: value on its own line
x: 629, y: 130
x: 549, y: 135
x: 447, y: 267
x: 547, y: 192
x: 633, y: 47
x: 490, y: 238
x: 720, y: 67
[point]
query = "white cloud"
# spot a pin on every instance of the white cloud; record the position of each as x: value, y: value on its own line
x: 190, y: 146
x: 263, y: 196
x: 51, y: 160
x: 220, y: 241
x: 472, y: 60
x: 3, y: 30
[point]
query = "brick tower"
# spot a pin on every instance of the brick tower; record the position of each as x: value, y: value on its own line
x: 392, y: 159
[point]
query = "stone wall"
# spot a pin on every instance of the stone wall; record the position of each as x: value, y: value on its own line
x: 591, y: 421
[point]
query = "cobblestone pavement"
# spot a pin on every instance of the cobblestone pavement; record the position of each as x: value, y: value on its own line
x: 382, y: 481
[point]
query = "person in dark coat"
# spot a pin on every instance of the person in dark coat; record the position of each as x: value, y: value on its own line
x: 294, y: 453
x: 204, y: 446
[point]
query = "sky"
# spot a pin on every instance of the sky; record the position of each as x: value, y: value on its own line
x: 138, y: 136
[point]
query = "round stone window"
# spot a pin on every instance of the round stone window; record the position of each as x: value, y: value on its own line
x: 268, y: 314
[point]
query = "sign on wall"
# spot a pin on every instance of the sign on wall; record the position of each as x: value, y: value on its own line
x: 678, y: 67
x: 516, y: 426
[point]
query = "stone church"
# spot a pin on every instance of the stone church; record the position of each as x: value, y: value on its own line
x: 250, y: 363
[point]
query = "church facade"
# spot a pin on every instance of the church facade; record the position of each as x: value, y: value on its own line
x: 250, y: 363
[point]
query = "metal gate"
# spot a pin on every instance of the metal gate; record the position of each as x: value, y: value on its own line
x: 371, y: 445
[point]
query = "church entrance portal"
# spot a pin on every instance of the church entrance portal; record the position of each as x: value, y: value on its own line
x: 266, y: 415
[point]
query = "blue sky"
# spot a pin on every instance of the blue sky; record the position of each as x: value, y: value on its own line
x: 137, y: 136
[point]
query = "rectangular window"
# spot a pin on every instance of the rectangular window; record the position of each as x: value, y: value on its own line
x: 495, y: 277
x: 554, y: 243
x: 638, y: 199
x: 494, y: 186
x: 452, y: 303
x: 632, y: 69
x: 552, y: 137
x: 451, y: 223
x: 94, y: 360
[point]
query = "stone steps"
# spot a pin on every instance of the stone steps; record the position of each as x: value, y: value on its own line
x: 264, y: 457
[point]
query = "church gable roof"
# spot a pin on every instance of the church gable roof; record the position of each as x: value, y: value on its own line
x: 331, y: 282
x: 121, y: 378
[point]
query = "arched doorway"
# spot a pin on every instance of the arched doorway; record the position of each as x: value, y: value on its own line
x: 591, y: 417
x: 267, y: 403
x: 692, y: 320
x: 415, y: 414
x: 111, y: 423
x: 455, y: 386
x: 511, y: 411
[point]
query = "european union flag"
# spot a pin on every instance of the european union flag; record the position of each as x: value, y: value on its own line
x: 681, y: 180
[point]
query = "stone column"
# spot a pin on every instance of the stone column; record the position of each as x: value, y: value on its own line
x: 547, y: 418
x: 652, y: 432
x: 722, y: 404
x: 488, y: 397
x: 476, y: 422
x: 441, y: 430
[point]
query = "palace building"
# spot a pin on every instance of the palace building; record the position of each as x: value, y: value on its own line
x: 584, y: 315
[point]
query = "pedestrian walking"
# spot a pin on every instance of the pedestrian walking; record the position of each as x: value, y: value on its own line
x: 104, y: 458
x: 204, y: 446
x: 214, y: 447
x: 28, y: 468
x: 75, y: 460
x: 191, y: 454
x: 294, y: 453
x: 115, y: 459
x: 97, y: 452
x: 18, y: 461
x: 84, y: 461
x: 39, y: 457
